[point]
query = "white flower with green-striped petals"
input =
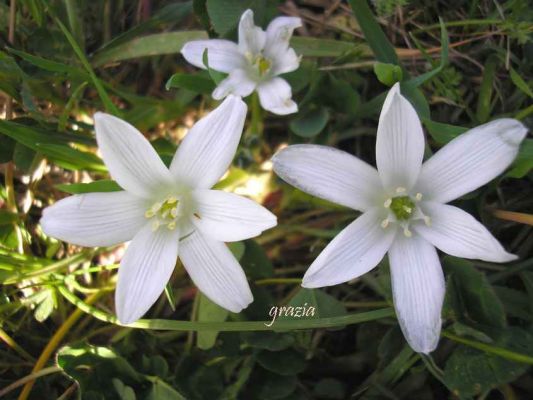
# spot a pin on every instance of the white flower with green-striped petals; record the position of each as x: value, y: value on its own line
x: 403, y: 208
x: 254, y: 63
x: 166, y: 212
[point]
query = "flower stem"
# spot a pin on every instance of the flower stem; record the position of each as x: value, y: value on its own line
x: 256, y: 123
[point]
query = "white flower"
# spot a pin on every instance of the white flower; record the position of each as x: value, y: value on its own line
x: 254, y: 63
x: 163, y: 208
x: 404, y: 211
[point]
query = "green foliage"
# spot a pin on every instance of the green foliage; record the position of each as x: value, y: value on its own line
x: 459, y: 66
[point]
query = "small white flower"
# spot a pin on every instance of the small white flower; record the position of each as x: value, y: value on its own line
x: 254, y: 63
x: 404, y: 211
x: 163, y: 208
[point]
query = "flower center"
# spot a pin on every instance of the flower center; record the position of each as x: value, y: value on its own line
x: 164, y: 213
x: 402, y: 207
x: 260, y: 63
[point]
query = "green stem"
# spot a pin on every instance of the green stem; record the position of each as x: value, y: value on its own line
x: 256, y: 122
x: 275, y: 281
x: 499, y: 351
x: 279, y: 325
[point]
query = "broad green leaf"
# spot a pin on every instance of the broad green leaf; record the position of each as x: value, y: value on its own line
x: 255, y: 261
x: 286, y: 362
x: 271, y: 341
x: 97, y: 186
x: 470, y: 371
x: 7, y: 217
x: 311, y: 123
x: 225, y: 14
x: 322, y: 303
x: 209, y: 311
x: 471, y: 298
x: 196, y: 83
x: 524, y: 160
x: 441, y: 132
x: 144, y: 46
x: 76, y: 159
x: 124, y: 392
x: 388, y: 74
x: 216, y: 76
x: 161, y: 390
x: 95, y: 367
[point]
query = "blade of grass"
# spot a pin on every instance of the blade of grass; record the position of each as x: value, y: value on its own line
x: 109, y: 106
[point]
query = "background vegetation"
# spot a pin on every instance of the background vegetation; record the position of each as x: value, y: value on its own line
x: 63, y: 60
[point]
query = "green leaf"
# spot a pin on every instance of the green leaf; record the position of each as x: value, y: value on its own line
x: 124, y: 392
x: 161, y: 390
x: 310, y: 123
x: 110, y: 107
x: 471, y: 297
x: 286, y: 362
x: 255, y: 261
x: 520, y: 83
x: 388, y: 74
x: 469, y: 371
x: 484, y: 104
x: 195, y: 83
x: 95, y: 367
x: 330, y: 389
x: 317, y: 47
x: 272, y: 341
x: 146, y: 46
x: 216, y: 76
x: 441, y: 132
x: 225, y: 14
x: 7, y: 217
x: 376, y: 39
x: 209, y: 311
x: 524, y: 160
x: 75, y: 159
x: 97, y: 186
x: 271, y: 386
x: 444, y: 43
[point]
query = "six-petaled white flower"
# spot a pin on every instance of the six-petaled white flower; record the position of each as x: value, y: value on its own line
x: 254, y: 63
x: 404, y: 210
x: 162, y: 209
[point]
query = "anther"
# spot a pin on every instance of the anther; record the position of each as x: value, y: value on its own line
x: 407, y: 209
x: 387, y: 203
x: 171, y: 225
x: 174, y: 212
x: 385, y: 223
x: 400, y: 189
x: 407, y: 232
x: 418, y: 196
x: 149, y: 214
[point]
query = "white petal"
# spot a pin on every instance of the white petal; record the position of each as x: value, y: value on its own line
x: 279, y: 33
x: 208, y: 149
x: 216, y: 272
x: 222, y: 55
x: 330, y: 174
x: 228, y: 217
x: 237, y: 83
x: 275, y: 96
x: 95, y: 219
x: 285, y: 61
x: 458, y: 233
x: 353, y: 252
x: 471, y: 160
x: 130, y: 158
x: 280, y: 30
x: 418, y: 291
x: 399, y: 143
x: 251, y: 38
x: 144, y: 271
